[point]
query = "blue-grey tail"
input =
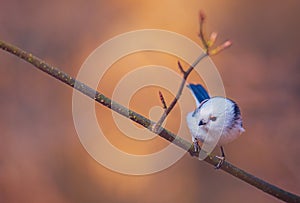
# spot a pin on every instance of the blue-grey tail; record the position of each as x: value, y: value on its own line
x: 199, y: 92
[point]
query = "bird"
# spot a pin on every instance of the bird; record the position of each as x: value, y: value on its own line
x: 216, y: 121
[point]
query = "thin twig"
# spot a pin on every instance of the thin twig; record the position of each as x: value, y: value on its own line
x: 206, y: 53
x: 157, y: 126
x: 162, y: 99
x: 180, y: 67
x: 185, y: 145
x: 201, y: 31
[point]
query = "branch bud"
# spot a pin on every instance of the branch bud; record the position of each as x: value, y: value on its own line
x: 220, y: 48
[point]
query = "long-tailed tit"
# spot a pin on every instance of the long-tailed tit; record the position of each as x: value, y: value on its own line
x: 215, y: 122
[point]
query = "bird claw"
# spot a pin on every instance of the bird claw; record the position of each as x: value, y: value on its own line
x: 196, y: 149
x: 221, y: 161
x: 196, y: 146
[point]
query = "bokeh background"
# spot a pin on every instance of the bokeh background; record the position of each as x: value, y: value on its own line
x: 41, y: 157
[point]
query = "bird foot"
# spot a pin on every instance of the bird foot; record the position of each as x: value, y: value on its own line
x: 196, y: 149
x: 196, y: 146
x: 221, y: 161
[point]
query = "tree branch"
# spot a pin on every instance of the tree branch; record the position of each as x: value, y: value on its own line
x: 157, y: 126
x: 185, y: 145
x: 207, y: 52
x: 162, y: 99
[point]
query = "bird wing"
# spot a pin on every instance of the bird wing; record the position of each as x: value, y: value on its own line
x: 199, y: 93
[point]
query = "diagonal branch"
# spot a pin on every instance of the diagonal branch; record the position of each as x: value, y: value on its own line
x: 157, y: 126
x: 207, y: 52
x: 201, y: 31
x: 185, y: 145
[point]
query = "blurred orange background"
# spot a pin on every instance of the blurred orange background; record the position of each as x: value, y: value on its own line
x: 41, y: 157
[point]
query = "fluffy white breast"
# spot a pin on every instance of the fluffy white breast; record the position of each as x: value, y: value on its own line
x: 217, y: 120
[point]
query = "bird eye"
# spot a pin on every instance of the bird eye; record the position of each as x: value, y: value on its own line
x: 213, y: 118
